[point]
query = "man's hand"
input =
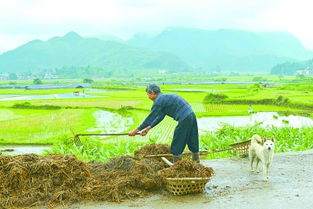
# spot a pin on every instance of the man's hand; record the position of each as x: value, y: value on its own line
x: 134, y: 132
x: 145, y: 131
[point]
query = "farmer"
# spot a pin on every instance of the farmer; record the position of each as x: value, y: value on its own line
x: 186, y: 132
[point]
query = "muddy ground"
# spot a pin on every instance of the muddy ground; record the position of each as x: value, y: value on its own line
x: 233, y: 186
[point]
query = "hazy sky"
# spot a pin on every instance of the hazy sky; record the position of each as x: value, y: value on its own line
x: 25, y: 20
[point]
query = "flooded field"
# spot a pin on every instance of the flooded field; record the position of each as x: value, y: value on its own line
x: 108, y: 122
x: 23, y: 149
x: 267, y: 119
x: 48, y: 96
x: 197, y: 90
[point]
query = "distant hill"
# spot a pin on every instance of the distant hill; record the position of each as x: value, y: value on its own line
x: 291, y: 68
x: 73, y: 50
x: 172, y: 50
x: 108, y: 37
x: 231, y: 50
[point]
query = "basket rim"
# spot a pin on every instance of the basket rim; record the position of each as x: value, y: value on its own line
x: 189, y: 178
x: 240, y: 143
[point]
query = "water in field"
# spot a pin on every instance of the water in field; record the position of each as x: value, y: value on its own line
x: 109, y: 122
x: 95, y: 91
x: 46, y: 96
x: 196, y: 90
x: 23, y: 149
x: 267, y: 119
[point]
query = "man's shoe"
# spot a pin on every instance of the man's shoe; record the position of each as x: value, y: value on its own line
x: 176, y: 158
x: 196, y: 157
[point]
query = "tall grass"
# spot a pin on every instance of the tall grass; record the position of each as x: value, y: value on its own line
x: 287, y: 138
x: 95, y: 150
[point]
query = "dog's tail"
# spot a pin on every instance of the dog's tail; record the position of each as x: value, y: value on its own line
x: 256, y: 139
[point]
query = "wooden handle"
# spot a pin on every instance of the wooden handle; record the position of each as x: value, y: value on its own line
x: 167, y: 161
x: 122, y: 134
x: 170, y: 155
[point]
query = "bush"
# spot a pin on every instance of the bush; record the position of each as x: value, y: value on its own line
x: 37, y: 81
x: 214, y: 98
x: 27, y: 105
x: 88, y: 80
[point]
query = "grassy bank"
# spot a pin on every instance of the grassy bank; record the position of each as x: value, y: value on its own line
x: 287, y: 140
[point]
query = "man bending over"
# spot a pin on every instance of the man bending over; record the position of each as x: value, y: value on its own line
x: 186, y: 132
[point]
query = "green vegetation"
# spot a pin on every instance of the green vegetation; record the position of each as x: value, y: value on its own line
x: 287, y: 139
x: 90, y: 150
x: 226, y: 50
x: 37, y: 81
x: 43, y: 126
x: 73, y: 56
x: 214, y: 98
x: 54, y: 121
x: 290, y: 68
x: 88, y: 80
x: 27, y: 105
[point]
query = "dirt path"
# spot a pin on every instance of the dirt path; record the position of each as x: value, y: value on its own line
x: 290, y: 187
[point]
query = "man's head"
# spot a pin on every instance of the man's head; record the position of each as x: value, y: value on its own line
x: 153, y: 91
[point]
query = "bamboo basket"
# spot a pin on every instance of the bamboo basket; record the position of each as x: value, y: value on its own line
x: 181, y: 186
x: 241, y: 148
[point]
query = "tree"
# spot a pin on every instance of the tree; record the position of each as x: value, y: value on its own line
x: 37, y: 81
x: 88, y: 80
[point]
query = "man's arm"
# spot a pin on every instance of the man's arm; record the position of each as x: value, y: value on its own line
x: 155, y: 117
x: 154, y: 114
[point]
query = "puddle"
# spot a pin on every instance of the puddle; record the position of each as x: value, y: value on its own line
x: 8, y: 115
x: 47, y: 96
x: 108, y: 122
x: 23, y: 149
x: 267, y: 119
x: 95, y: 91
x: 198, y: 90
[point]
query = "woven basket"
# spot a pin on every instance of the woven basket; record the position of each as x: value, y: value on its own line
x: 241, y: 147
x: 181, y: 186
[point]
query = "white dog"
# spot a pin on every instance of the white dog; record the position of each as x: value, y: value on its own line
x: 261, y: 150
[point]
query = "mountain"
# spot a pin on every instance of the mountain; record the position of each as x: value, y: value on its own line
x: 172, y: 50
x: 292, y: 68
x: 231, y: 50
x: 74, y: 50
x: 109, y: 37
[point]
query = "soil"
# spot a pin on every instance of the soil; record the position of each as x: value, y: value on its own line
x: 233, y: 186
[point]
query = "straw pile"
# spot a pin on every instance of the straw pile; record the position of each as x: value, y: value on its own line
x: 32, y: 180
x: 186, y: 168
x: 28, y: 180
x: 123, y: 178
x: 152, y: 149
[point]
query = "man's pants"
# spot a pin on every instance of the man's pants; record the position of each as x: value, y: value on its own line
x: 186, y: 133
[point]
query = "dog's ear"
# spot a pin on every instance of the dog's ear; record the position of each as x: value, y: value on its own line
x: 273, y: 139
x: 264, y: 140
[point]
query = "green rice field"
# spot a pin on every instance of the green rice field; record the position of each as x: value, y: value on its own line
x: 55, y: 121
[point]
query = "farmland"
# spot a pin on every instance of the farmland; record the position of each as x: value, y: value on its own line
x: 54, y: 121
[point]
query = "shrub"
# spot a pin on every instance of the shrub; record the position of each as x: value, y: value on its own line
x: 214, y: 98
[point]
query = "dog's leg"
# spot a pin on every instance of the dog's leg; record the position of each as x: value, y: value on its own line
x: 251, y: 158
x: 265, y: 172
x: 257, y: 165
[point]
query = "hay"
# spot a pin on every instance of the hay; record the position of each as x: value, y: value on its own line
x: 124, y: 177
x: 28, y: 180
x: 186, y: 168
x: 33, y: 180
x: 152, y: 149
